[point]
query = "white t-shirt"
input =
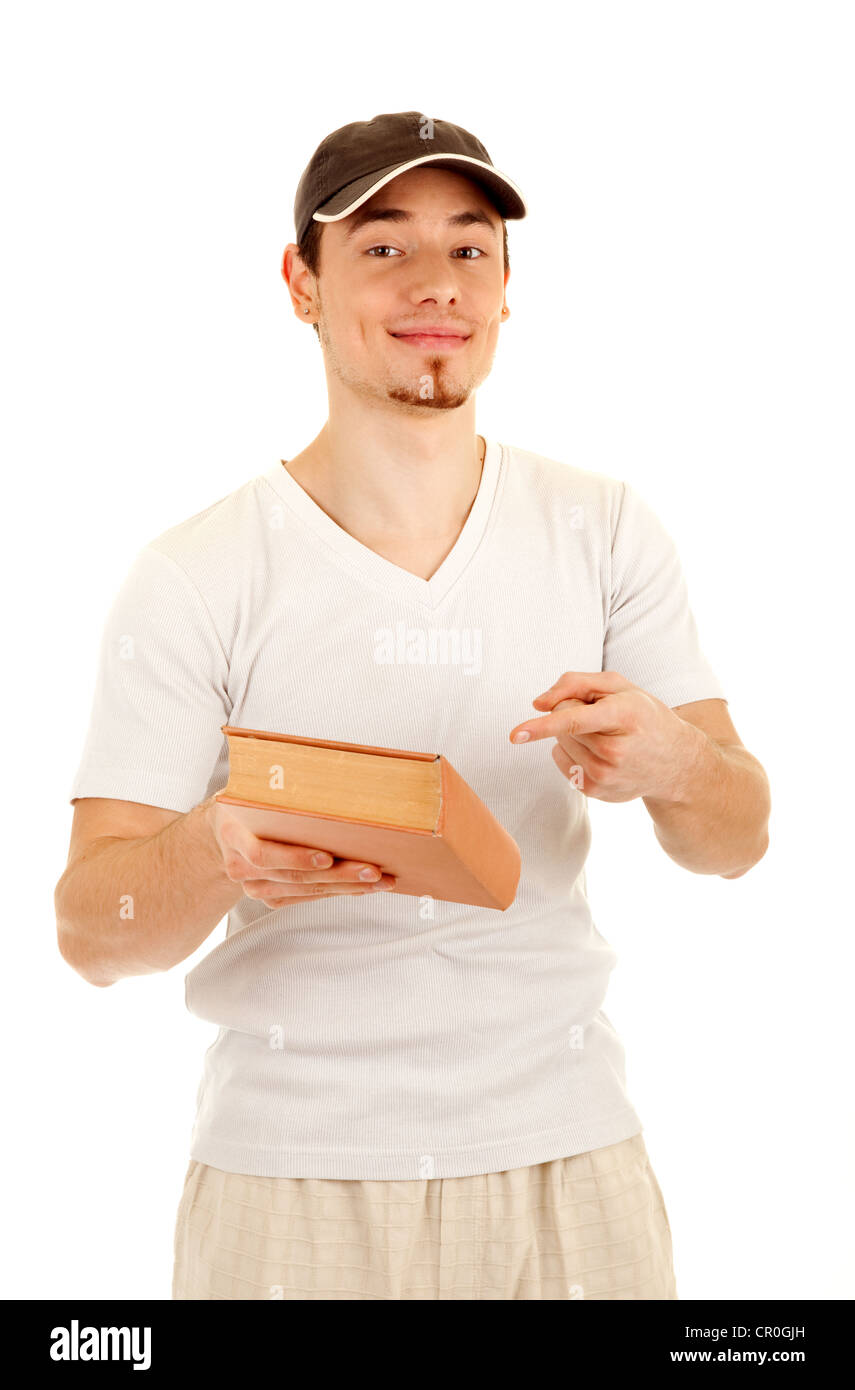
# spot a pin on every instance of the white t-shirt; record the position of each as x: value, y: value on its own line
x: 357, y: 1037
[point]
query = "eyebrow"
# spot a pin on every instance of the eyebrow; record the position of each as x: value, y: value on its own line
x: 362, y: 217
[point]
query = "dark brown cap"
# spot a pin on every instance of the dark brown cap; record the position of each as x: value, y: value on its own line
x: 353, y: 162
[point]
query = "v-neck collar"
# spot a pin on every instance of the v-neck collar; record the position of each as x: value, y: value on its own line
x: 429, y: 592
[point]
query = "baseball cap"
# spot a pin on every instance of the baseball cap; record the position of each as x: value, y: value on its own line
x: 356, y: 160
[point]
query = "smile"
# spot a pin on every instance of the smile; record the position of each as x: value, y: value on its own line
x: 446, y: 341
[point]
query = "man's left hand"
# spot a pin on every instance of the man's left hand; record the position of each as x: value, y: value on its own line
x: 626, y: 742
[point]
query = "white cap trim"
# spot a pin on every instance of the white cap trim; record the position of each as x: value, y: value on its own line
x: 402, y: 168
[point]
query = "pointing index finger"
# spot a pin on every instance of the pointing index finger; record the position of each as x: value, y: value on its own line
x: 578, y: 718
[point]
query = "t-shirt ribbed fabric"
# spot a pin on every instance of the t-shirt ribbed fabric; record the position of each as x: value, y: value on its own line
x: 389, y: 1036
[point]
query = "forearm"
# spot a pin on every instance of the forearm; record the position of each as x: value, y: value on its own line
x: 719, y: 822
x: 135, y: 907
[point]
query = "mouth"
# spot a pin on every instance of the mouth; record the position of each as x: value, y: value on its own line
x: 439, y: 341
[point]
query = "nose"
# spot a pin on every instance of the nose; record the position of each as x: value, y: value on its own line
x: 433, y: 278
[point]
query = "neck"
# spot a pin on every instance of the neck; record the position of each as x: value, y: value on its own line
x: 413, y: 485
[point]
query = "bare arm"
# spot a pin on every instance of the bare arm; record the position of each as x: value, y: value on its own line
x: 723, y: 812
x: 719, y: 825
x: 135, y: 904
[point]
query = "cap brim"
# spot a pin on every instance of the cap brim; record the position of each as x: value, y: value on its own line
x: 505, y: 193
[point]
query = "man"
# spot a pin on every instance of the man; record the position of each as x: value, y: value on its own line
x: 404, y: 1100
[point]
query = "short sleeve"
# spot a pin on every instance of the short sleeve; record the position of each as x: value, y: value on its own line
x: 161, y: 694
x: 651, y: 637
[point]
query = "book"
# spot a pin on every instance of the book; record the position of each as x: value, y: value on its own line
x: 411, y: 814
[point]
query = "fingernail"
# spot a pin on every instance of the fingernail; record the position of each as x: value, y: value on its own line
x: 521, y: 736
x: 322, y: 860
x: 367, y: 874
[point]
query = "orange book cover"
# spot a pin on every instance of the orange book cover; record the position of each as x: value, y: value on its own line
x: 466, y: 857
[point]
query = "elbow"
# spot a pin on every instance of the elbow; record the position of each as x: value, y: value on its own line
x: 764, y: 817
x: 738, y: 873
x: 68, y: 942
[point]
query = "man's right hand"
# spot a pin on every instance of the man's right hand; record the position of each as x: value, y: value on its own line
x: 277, y: 873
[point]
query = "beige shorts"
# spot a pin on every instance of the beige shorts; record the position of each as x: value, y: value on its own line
x: 590, y: 1226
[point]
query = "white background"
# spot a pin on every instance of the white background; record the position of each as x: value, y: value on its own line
x: 682, y: 312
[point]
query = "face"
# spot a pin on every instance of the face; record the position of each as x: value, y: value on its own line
x: 431, y: 259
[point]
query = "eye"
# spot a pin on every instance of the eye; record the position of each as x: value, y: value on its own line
x: 372, y: 249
